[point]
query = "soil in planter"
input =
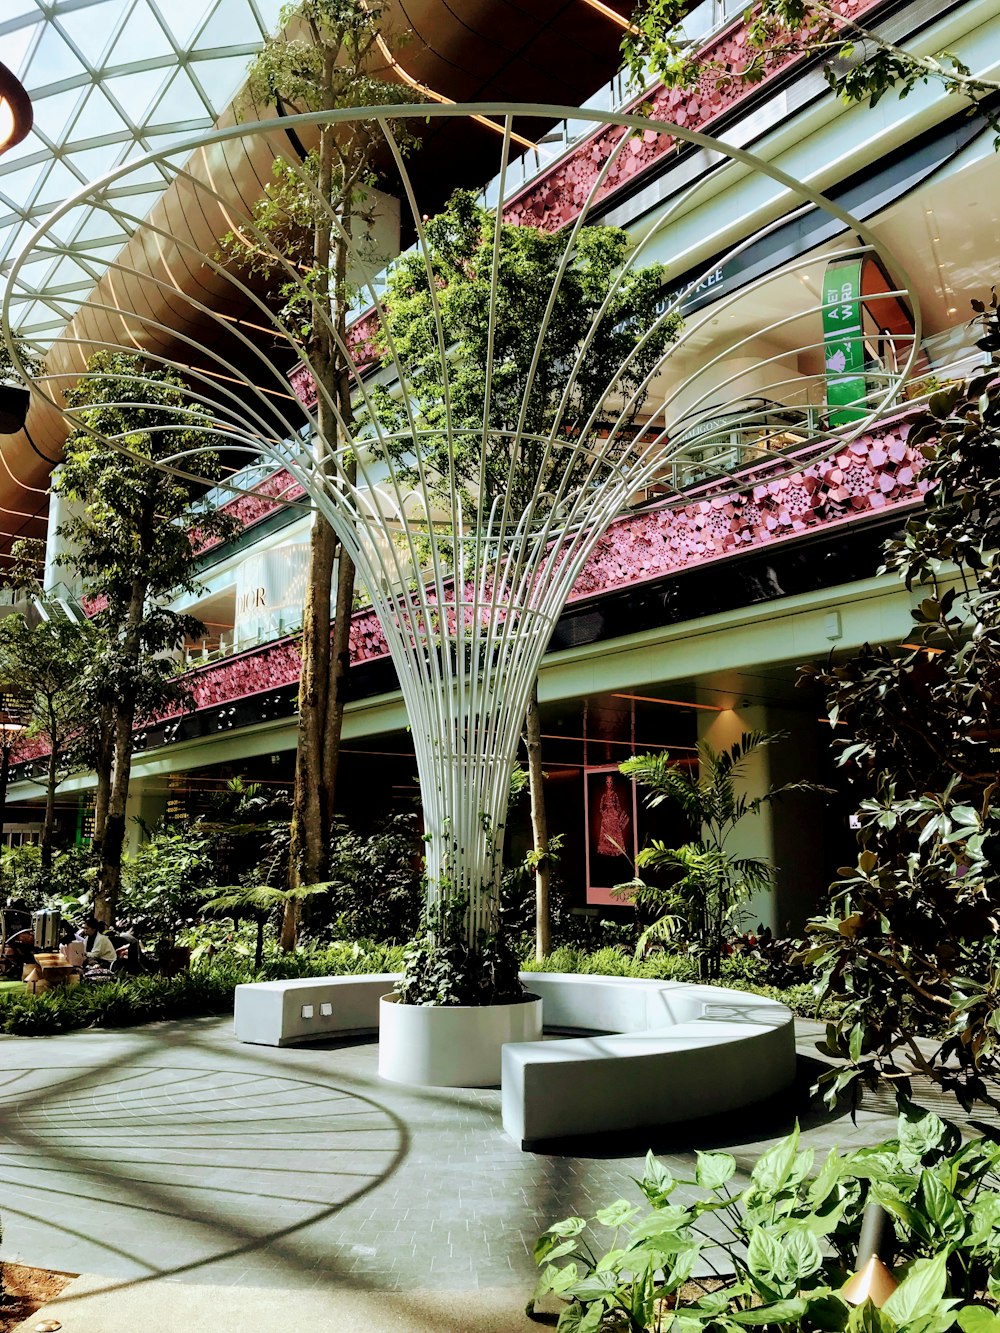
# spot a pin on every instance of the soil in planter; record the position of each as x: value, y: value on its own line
x: 26, y: 1290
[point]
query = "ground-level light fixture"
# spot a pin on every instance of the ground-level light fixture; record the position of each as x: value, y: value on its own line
x: 872, y: 1280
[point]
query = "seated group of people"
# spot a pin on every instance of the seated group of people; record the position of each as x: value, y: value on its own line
x: 101, y: 951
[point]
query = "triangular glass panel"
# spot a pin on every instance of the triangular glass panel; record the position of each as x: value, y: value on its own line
x: 92, y: 163
x: 31, y: 146
x: 150, y: 174
x: 54, y: 114
x: 17, y: 185
x: 53, y: 61
x: 180, y: 102
x: 134, y: 208
x: 16, y: 46
x: 221, y: 78
x: 232, y: 24
x: 14, y: 9
x: 68, y: 273
x: 97, y: 119
x: 270, y: 12
x: 58, y: 185
x: 101, y: 227
x: 142, y: 38
x: 181, y: 17
x: 136, y: 92
x: 92, y: 35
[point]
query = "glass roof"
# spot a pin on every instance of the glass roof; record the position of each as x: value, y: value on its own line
x: 109, y: 80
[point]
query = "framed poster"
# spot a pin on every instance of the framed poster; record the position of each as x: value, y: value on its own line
x: 612, y: 837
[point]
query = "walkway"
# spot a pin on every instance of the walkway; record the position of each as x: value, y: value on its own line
x: 173, y: 1152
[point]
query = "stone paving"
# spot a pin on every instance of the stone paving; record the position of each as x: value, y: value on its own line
x: 173, y: 1151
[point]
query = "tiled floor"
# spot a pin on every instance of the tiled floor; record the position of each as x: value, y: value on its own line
x: 174, y: 1151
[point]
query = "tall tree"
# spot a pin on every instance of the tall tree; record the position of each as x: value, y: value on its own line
x: 132, y: 546
x: 322, y: 59
x: 911, y: 942
x: 860, y: 64
x: 569, y: 382
x: 41, y: 666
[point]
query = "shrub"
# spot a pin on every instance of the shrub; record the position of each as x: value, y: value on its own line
x: 207, y: 988
x: 781, y: 1248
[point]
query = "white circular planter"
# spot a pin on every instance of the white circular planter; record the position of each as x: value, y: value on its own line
x: 451, y: 1046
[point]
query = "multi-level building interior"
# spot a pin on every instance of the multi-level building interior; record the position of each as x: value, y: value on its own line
x: 691, y: 620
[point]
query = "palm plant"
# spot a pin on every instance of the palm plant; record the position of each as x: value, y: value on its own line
x: 258, y: 901
x: 711, y: 884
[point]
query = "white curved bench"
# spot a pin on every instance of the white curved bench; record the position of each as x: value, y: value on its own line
x: 673, y: 1051
x: 669, y: 1051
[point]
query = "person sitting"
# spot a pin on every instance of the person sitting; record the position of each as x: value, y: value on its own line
x: 100, y: 951
x: 18, y: 950
x: 130, y: 956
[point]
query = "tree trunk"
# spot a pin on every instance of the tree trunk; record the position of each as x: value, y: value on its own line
x: 539, y: 826
x: 311, y: 797
x: 5, y: 751
x: 109, y: 874
x: 258, y: 957
x: 109, y: 877
x: 103, y: 765
x: 324, y: 664
x: 49, y: 821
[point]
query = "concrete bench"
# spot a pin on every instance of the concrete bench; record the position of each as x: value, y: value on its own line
x: 280, y: 1013
x: 664, y: 1051
x: 670, y: 1051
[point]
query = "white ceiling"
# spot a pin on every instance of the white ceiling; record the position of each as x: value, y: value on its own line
x: 109, y: 81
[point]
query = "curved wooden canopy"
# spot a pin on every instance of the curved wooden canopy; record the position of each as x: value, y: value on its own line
x: 561, y: 51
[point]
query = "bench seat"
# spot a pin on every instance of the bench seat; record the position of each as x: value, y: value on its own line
x: 656, y: 1051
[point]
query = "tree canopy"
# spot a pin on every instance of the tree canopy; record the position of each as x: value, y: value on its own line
x: 590, y: 336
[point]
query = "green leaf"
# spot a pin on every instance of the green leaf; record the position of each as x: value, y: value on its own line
x: 978, y: 1319
x: 764, y: 1254
x: 556, y: 1280
x: 774, y: 1167
x: 867, y: 1318
x: 779, y: 1312
x: 828, y: 1312
x: 569, y: 1226
x: 656, y: 1180
x: 714, y: 1169
x: 919, y: 1131
x: 827, y: 1179
x: 616, y: 1214
x: 802, y: 1254
x: 941, y: 1207
x: 920, y: 1291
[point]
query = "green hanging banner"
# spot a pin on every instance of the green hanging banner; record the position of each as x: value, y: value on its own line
x: 843, y: 342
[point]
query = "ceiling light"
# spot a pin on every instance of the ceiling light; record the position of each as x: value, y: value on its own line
x: 673, y: 703
x: 15, y: 110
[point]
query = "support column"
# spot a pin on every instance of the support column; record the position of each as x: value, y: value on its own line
x: 147, y: 800
x: 754, y: 835
x: 790, y: 833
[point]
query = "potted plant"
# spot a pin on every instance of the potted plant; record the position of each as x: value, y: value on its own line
x: 458, y: 1002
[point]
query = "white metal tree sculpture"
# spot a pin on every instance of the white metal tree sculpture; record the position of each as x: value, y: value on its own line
x: 467, y: 566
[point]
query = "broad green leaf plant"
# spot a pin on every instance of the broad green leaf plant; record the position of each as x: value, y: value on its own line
x: 710, y: 884
x: 711, y: 1255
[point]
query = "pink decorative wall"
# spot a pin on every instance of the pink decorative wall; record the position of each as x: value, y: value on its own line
x: 556, y: 197
x: 877, y: 472
x: 252, y: 507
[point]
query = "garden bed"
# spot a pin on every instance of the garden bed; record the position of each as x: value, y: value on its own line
x: 208, y: 987
x: 26, y: 1290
